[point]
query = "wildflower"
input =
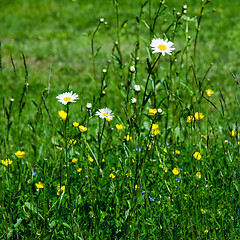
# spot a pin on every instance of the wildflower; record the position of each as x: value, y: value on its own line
x: 72, y: 142
x: 119, y: 126
x: 165, y: 150
x: 7, y: 162
x: 75, y: 124
x: 109, y: 119
x: 161, y: 46
x: 205, y: 231
x: 104, y: 70
x: 132, y: 69
x: 198, y: 174
x: 156, y: 132
x: 62, y: 114
x: 152, y: 111
x: 20, y: 154
x: 101, y: 20
x: 67, y: 97
x: 82, y: 128
x: 133, y: 100
x: 105, y: 113
x: 233, y: 133
x: 79, y: 170
x: 59, y: 189
x: 137, y: 88
x: 176, y: 171
x: 190, y: 119
x: 143, y: 192
x: 103, y: 160
x: 177, y: 152
x: 128, y: 137
x: 203, y: 211
x: 149, y: 147
x: 136, y: 187
x: 90, y: 159
x: 89, y: 106
x: 159, y: 110
x: 74, y: 160
x: 39, y: 185
x: 197, y: 155
x: 154, y: 126
x: 209, y: 92
x: 203, y: 136
x: 198, y: 116
x: 112, y: 175
x: 34, y: 174
x: 152, y: 199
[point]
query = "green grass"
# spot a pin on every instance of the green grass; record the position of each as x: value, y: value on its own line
x: 118, y: 189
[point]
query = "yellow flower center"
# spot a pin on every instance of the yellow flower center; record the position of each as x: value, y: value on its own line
x: 162, y: 47
x: 105, y: 114
x: 67, y: 99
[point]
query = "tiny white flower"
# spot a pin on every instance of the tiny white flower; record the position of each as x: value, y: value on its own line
x: 105, y: 113
x: 133, y: 100
x: 89, y: 106
x: 12, y: 99
x: 160, y: 110
x: 162, y: 46
x: 67, y: 97
x: 137, y: 88
x: 101, y: 20
x: 104, y: 70
x: 132, y: 69
x: 184, y: 6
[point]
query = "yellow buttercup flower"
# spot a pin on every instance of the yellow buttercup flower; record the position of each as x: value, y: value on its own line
x: 198, y: 174
x: 60, y: 189
x: 79, y: 170
x: 72, y: 142
x: 82, y: 128
x: 136, y: 187
x: 177, y: 152
x: 209, y: 92
x: 74, y: 160
x: 119, y: 126
x: 197, y: 155
x: 112, y: 175
x: 152, y: 111
x: 7, y: 162
x: 154, y: 126
x: 39, y: 185
x: 149, y: 146
x: 233, y: 133
x: 75, y: 124
x: 156, y: 132
x: 20, y: 154
x: 90, y: 159
x: 198, y: 116
x: 176, y: 171
x: 128, y: 137
x: 62, y: 114
x: 190, y: 119
x: 165, y: 150
x: 109, y: 119
x: 103, y: 160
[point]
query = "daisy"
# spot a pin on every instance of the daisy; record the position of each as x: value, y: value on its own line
x: 162, y: 46
x: 105, y: 113
x: 67, y: 97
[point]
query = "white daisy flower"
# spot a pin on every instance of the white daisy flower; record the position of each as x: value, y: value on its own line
x: 133, y: 100
x: 161, y: 46
x: 67, y: 97
x: 105, y: 113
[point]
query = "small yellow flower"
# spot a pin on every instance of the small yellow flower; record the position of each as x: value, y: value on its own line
x: 109, y: 119
x: 156, y: 132
x: 74, y: 160
x: 203, y: 136
x: 233, y: 133
x: 60, y: 189
x: 75, y: 124
x: 198, y: 174
x: 198, y: 116
x: 20, y: 154
x: 128, y: 174
x: 165, y: 170
x: 82, y: 128
x: 128, y: 137
x: 165, y: 150
x: 190, y: 119
x: 39, y: 185
x: 177, y: 152
x: 136, y: 187
x: 90, y: 159
x: 62, y: 114
x: 79, y: 170
x: 72, y: 142
x: 103, y: 160
x: 203, y: 211
x: 149, y: 147
x: 119, y: 126
x: 154, y: 126
x: 197, y: 155
x: 7, y: 162
x: 206, y: 231
x: 209, y: 92
x: 112, y: 175
x: 176, y: 171
x: 152, y: 111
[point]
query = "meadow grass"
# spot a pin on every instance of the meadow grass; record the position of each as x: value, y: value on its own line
x: 163, y: 165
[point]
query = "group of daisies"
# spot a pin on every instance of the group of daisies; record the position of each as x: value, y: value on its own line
x: 158, y: 46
